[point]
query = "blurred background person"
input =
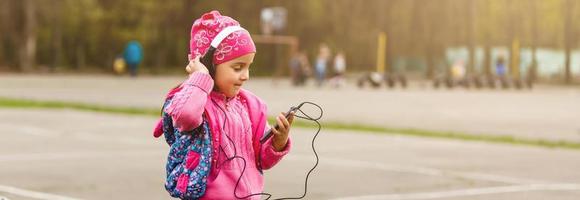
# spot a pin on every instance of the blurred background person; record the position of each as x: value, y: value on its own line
x: 133, y: 55
x: 500, y: 68
x: 119, y: 66
x: 339, y: 70
x: 321, y: 63
x: 299, y: 68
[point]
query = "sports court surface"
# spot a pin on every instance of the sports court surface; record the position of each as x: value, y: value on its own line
x: 70, y: 154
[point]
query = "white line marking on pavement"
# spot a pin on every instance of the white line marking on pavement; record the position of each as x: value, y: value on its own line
x: 86, y: 136
x: 77, y: 155
x: 417, y: 170
x: 33, y: 194
x: 29, y: 130
x: 468, y: 192
x: 93, y: 137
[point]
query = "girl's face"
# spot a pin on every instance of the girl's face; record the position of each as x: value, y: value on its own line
x: 231, y: 75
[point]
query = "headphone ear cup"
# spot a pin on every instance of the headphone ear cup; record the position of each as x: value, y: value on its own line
x: 207, y: 60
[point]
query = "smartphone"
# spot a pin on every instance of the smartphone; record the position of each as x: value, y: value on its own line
x: 269, y: 133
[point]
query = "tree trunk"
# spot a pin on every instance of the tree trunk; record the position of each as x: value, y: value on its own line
x: 470, y: 8
x: 514, y: 20
x: 80, y: 56
x: 57, y: 37
x: 487, y: 69
x: 28, y: 45
x: 432, y: 58
x: 4, y: 6
x: 160, y: 59
x: 382, y: 22
x: 533, y: 71
x: 569, y: 38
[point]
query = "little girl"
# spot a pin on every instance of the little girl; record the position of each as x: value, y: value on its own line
x: 212, y: 97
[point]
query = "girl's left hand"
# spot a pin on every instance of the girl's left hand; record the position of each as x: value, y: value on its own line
x: 281, y: 134
x: 195, y: 65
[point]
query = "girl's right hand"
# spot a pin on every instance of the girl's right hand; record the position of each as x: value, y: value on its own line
x: 195, y: 65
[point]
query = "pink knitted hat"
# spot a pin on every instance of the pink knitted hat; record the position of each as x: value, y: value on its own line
x: 205, y: 29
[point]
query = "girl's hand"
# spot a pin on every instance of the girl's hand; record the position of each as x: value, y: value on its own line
x: 281, y: 134
x: 195, y: 65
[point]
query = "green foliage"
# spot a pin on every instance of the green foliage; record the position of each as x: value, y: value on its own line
x: 73, y: 34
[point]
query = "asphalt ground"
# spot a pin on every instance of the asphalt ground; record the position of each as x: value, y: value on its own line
x: 67, y: 154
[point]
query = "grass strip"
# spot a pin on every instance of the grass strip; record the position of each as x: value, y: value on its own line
x: 27, y: 103
x: 491, y: 138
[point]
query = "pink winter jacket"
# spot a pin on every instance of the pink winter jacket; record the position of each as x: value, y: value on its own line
x: 236, y: 124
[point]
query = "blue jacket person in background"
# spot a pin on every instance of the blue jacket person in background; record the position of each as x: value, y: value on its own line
x: 133, y: 55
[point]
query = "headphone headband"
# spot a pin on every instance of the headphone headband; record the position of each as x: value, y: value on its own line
x: 207, y: 58
x: 223, y: 34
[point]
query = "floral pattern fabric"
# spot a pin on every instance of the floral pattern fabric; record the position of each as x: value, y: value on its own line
x: 188, y: 162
